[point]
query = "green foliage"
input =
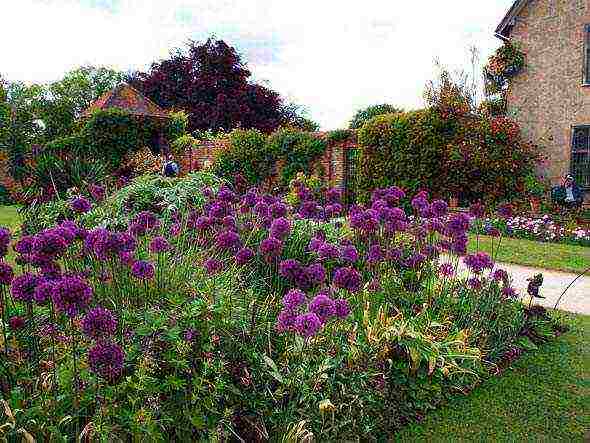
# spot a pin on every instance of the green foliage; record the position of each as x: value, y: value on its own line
x: 182, y: 144
x: 339, y: 135
x: 473, y: 156
x: 364, y: 115
x: 297, y: 150
x: 534, y: 186
x: 177, y: 125
x: 112, y: 133
x: 247, y: 153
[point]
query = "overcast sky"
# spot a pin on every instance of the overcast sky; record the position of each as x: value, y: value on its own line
x: 331, y: 56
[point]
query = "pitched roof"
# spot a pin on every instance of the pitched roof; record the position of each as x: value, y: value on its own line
x: 505, y: 26
x: 129, y: 99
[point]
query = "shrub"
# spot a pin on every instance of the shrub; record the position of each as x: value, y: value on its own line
x: 246, y: 153
x: 296, y: 150
x: 364, y: 115
x: 177, y: 125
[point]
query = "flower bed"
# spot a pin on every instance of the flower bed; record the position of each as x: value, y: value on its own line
x: 543, y: 228
x: 238, y: 316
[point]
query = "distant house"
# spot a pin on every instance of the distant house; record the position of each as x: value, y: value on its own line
x: 550, y: 98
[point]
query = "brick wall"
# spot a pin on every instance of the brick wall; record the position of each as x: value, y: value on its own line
x: 548, y: 97
x: 333, y: 161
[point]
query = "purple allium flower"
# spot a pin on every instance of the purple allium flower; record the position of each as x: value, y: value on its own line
x: 23, y: 287
x: 225, y: 194
x: 229, y: 221
x: 48, y: 245
x: 190, y: 334
x: 419, y: 203
x: 271, y: 248
x: 500, y: 275
x: 293, y: 299
x: 80, y: 205
x: 347, y: 278
x: 143, y: 270
x: 227, y: 240
x: 395, y: 254
x: 414, y: 261
x: 509, y: 292
x: 44, y: 291
x: 477, y: 210
x: 342, y: 308
x: 286, y: 320
x: 333, y: 210
x: 308, y: 325
x: 16, y: 323
x: 478, y: 262
x: 144, y: 222
x: 316, y: 273
x: 393, y: 195
x: 6, y: 273
x: 309, y: 209
x: 243, y: 256
x: 217, y: 210
x: 71, y: 295
x: 106, y: 360
x: 280, y: 228
x: 290, y: 269
x: 4, y: 241
x: 328, y: 251
x: 474, y: 283
x: 24, y: 245
x: 334, y: 195
x: 446, y: 270
x: 375, y: 254
x: 121, y: 242
x: 159, y: 244
x: 126, y: 258
x: 202, y: 223
x: 175, y: 229
x: 458, y: 224
x: 505, y: 211
x: 439, y: 208
x: 213, y: 266
x: 492, y: 231
x: 366, y: 221
x: 99, y: 323
x: 349, y: 254
x: 278, y: 210
x: 323, y: 306
x: 261, y: 209
x: 97, y: 192
x: 315, y: 244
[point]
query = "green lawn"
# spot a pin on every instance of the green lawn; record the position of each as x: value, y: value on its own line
x: 542, y: 255
x: 9, y: 217
x: 544, y: 396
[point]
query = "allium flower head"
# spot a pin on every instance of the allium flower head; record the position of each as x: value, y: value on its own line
x: 509, y: 292
x: 143, y: 270
x: 505, y: 211
x: 415, y: 260
x: 49, y: 245
x: 71, y: 295
x: 225, y: 194
x: 323, y: 306
x: 144, y: 222
x: 280, y: 228
x: 334, y: 195
x: 333, y: 210
x: 478, y: 262
x: 293, y: 299
x: 375, y: 254
x: 349, y: 254
x: 347, y: 278
x: 44, y: 291
x: 243, y: 256
x: 15, y: 323
x: 106, y: 360
x: 316, y: 273
x: 4, y: 240
x: 458, y: 224
x: 227, y: 240
x: 23, y: 287
x: 328, y: 251
x: 446, y: 270
x: 99, y: 323
x: 474, y: 283
x: 439, y: 208
x: 278, y: 210
x: 500, y: 275
x: 80, y: 205
x: 24, y: 245
x: 6, y: 273
x: 271, y: 248
x: 159, y: 244
x: 342, y: 308
x: 97, y: 192
x: 477, y: 210
x: 290, y: 269
x: 307, y: 325
x: 419, y: 203
x: 286, y: 320
x: 213, y: 266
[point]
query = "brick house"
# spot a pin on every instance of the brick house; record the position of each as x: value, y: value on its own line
x: 550, y: 98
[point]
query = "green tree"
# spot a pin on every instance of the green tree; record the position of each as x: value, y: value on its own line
x: 364, y: 115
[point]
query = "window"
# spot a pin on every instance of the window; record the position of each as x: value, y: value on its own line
x: 580, y: 160
x: 587, y: 55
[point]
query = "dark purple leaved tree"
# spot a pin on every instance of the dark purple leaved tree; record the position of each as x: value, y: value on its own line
x: 211, y: 83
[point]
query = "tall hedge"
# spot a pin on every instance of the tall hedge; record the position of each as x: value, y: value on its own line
x: 473, y: 157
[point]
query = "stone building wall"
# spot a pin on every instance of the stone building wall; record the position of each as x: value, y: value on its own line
x: 549, y: 98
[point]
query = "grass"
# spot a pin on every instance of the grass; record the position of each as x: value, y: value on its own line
x: 560, y: 257
x: 9, y: 217
x: 544, y: 396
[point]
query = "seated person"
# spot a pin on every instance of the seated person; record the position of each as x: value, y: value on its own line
x: 170, y: 168
x: 573, y: 193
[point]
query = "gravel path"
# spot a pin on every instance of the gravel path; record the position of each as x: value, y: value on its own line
x: 576, y: 299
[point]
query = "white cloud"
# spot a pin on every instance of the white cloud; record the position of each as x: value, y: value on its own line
x: 332, y: 56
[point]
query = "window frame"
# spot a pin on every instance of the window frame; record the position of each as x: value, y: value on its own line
x: 586, y: 185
